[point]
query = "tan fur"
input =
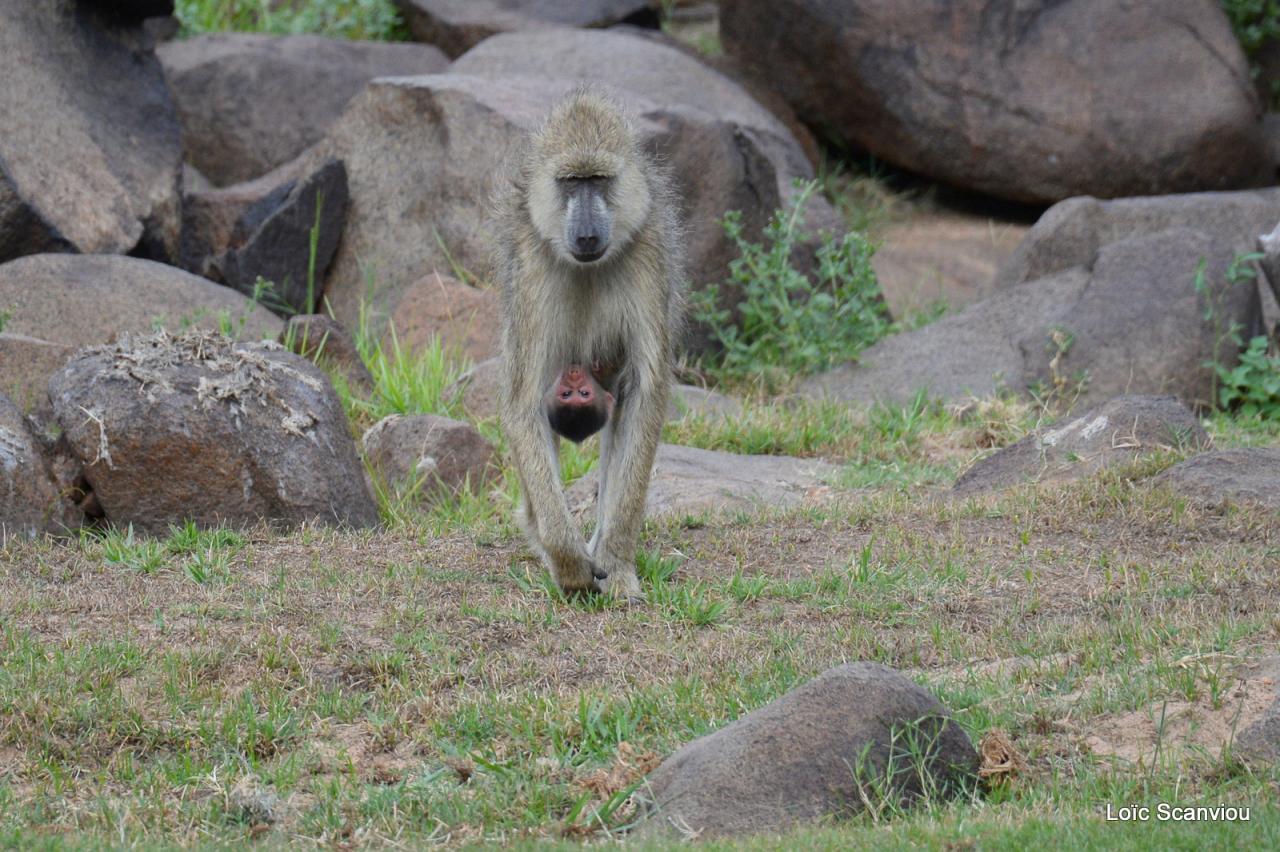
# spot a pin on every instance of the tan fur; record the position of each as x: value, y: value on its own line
x: 623, y: 309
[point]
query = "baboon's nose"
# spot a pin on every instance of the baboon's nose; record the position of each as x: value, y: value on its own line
x: 588, y: 244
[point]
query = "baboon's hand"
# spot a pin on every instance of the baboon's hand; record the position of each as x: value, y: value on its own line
x: 574, y: 570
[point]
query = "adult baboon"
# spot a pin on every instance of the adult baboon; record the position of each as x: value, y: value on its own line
x: 589, y: 256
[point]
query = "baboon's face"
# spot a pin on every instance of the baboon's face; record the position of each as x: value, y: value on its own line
x: 589, y: 210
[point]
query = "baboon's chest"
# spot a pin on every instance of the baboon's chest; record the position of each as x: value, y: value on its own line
x: 595, y: 325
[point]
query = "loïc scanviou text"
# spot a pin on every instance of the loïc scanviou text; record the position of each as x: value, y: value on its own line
x: 1165, y: 812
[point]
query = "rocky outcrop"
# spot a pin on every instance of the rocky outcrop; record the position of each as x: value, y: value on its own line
x: 1131, y: 321
x: 272, y: 241
x: 1072, y: 232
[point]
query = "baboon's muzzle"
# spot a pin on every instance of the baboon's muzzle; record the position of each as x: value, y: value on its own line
x: 589, y: 222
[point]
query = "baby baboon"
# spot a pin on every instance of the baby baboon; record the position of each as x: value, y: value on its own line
x: 578, y: 406
x: 589, y: 254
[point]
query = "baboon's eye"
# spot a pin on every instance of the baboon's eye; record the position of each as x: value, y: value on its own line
x: 577, y: 180
x: 584, y: 393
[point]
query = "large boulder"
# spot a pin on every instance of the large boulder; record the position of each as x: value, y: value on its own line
x: 1071, y: 232
x: 287, y: 240
x: 814, y: 754
x: 30, y: 500
x: 457, y: 25
x: 428, y: 455
x: 217, y: 219
x: 1247, y: 476
x: 1036, y: 100
x: 76, y: 300
x: 198, y: 427
x: 690, y: 481
x: 90, y: 154
x: 1120, y: 431
x: 1131, y: 321
x: 250, y: 102
x: 424, y: 156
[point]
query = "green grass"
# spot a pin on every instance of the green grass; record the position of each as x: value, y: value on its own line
x: 407, y: 688
x: 353, y: 19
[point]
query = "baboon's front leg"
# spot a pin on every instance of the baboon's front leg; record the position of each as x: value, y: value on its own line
x: 626, y: 464
x: 547, y: 513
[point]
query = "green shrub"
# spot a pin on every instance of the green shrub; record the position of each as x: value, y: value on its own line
x: 1252, y: 387
x: 354, y: 19
x: 787, y: 323
x: 1255, y: 22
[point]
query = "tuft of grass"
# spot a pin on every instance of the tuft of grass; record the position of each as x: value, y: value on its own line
x: 121, y: 547
x: 354, y: 19
x: 404, y: 382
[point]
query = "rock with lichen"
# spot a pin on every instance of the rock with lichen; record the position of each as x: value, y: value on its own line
x: 199, y: 427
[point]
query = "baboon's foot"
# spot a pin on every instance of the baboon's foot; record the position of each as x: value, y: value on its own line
x: 623, y: 584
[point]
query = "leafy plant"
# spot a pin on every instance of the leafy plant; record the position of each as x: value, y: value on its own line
x: 1252, y: 387
x: 1227, y: 389
x: 787, y: 323
x: 1256, y: 23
